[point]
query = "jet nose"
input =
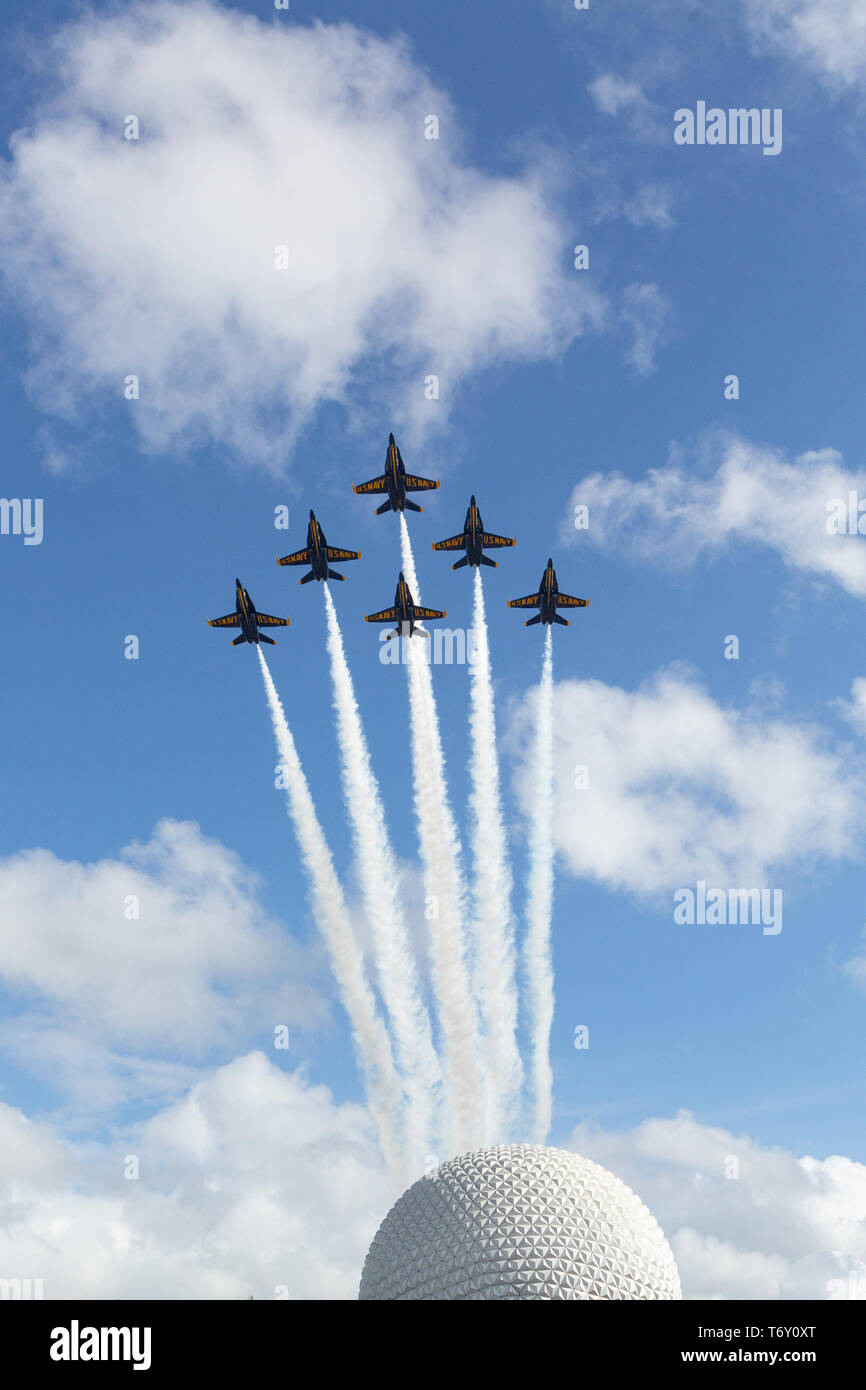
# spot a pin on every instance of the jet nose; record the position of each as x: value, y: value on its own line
x: 400, y: 577
x: 390, y: 439
x: 472, y: 500
x: 312, y: 515
x: 237, y: 582
x: 549, y: 563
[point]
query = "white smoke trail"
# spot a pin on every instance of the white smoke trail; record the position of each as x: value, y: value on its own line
x: 384, y: 1091
x: 496, y: 986
x: 378, y: 879
x: 440, y: 852
x: 538, y: 958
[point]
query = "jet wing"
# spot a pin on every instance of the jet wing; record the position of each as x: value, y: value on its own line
x: 489, y: 541
x: 334, y: 553
x: 266, y: 620
x: 230, y: 620
x: 528, y: 601
x: 569, y: 601
x: 379, y: 484
x: 298, y: 557
x: 385, y: 615
x: 452, y: 543
x: 429, y: 612
x: 415, y: 484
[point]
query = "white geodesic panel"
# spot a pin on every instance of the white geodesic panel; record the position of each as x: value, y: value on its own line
x: 520, y: 1221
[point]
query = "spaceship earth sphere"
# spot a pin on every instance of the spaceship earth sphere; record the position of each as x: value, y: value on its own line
x: 520, y: 1221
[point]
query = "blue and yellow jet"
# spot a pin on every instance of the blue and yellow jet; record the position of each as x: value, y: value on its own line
x: 248, y: 619
x: 405, y: 613
x: 474, y: 540
x: 396, y: 482
x: 548, y: 599
x: 318, y: 554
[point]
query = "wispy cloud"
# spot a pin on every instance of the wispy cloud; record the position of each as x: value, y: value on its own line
x: 684, y: 513
x: 649, y: 318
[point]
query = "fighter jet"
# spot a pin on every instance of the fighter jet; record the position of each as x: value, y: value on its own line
x: 248, y: 619
x: 396, y: 482
x: 405, y: 611
x: 318, y: 554
x: 548, y: 599
x: 474, y: 540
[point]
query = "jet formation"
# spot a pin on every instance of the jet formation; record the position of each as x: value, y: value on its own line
x: 405, y: 613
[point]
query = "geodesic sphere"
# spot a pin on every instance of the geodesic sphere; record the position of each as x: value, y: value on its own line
x: 520, y: 1221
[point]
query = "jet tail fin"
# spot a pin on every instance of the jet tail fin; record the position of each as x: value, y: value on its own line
x: 236, y: 641
x: 412, y: 506
x: 530, y: 622
x: 485, y: 560
x: 385, y: 507
x: 332, y: 574
x: 270, y: 641
x: 563, y: 621
x: 458, y: 564
x: 307, y: 577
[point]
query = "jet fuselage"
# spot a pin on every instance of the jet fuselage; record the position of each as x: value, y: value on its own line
x: 246, y: 611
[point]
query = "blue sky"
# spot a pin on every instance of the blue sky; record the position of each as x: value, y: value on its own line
x: 753, y: 266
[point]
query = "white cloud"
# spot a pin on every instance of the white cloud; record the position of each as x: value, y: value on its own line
x: 258, y: 1180
x: 648, y: 205
x: 648, y: 316
x: 675, y: 517
x: 735, y: 1236
x: 681, y: 789
x: 827, y: 35
x: 855, y: 968
x: 612, y: 94
x: 113, y: 1007
x: 853, y: 710
x: 255, y: 1179
x: 156, y: 257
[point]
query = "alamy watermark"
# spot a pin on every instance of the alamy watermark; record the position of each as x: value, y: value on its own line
x: 739, y: 125
x: 846, y: 516
x: 21, y: 1289
x: 442, y: 646
x: 22, y: 516
x: 711, y: 907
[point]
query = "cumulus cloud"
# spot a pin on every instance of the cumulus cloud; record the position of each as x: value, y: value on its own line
x: 255, y: 1182
x: 799, y: 508
x: 681, y: 789
x: 738, y: 1215
x: 112, y: 1004
x: 156, y: 256
x: 829, y: 36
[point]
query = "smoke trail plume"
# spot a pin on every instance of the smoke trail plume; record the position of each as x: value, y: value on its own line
x: 538, y: 959
x: 440, y: 853
x: 378, y: 879
x: 494, y: 948
x: 373, y: 1047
